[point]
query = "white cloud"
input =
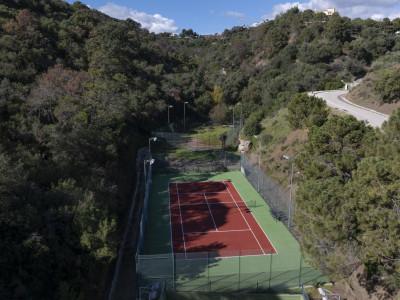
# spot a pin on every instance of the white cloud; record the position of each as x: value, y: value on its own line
x: 154, y: 23
x: 350, y: 8
x: 235, y: 14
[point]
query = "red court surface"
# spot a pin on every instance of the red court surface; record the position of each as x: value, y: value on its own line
x: 212, y: 217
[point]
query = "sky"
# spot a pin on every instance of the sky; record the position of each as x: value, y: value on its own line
x: 214, y: 16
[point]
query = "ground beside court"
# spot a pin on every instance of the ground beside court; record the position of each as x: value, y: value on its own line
x: 198, y: 296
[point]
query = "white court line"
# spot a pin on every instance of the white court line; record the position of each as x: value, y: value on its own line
x: 220, y: 231
x: 245, y: 220
x: 189, y: 204
x: 276, y: 251
x: 205, y: 197
x: 224, y: 257
x: 180, y: 213
x: 204, y: 193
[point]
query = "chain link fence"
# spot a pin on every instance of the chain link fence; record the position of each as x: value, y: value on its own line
x: 238, y: 272
x: 212, y: 161
x: 281, y: 205
x: 199, y: 141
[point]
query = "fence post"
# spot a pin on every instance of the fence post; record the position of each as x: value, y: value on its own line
x: 239, y: 274
x: 300, y: 269
x: 173, y: 272
x: 270, y: 270
x: 208, y: 266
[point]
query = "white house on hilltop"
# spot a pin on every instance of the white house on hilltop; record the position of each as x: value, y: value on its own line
x: 328, y: 12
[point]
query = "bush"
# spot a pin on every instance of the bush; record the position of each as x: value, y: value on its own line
x: 388, y: 85
x: 305, y: 111
x: 332, y: 84
x: 266, y: 137
x: 252, y: 125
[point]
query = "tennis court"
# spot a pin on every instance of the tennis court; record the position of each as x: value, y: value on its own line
x: 196, y: 205
x: 213, y: 217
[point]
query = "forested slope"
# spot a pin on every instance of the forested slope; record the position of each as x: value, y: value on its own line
x: 80, y: 92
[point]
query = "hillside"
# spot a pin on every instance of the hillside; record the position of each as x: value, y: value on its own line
x: 365, y: 94
x: 80, y: 93
x: 337, y: 180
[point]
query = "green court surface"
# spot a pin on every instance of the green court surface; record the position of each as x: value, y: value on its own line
x: 222, y: 274
x: 198, y: 296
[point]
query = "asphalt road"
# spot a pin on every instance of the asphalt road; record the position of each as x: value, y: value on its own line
x: 336, y: 99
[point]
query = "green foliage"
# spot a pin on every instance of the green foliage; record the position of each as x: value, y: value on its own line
x: 204, y: 103
x: 388, y: 85
x: 332, y: 84
x: 219, y: 113
x: 305, y: 111
x: 252, y: 125
x: 338, y: 28
x: 338, y: 144
x: 346, y: 204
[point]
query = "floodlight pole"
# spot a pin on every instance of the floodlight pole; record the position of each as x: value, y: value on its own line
x: 150, y: 161
x: 312, y: 86
x: 259, y: 164
x: 151, y: 139
x: 169, y: 106
x: 241, y: 119
x: 233, y: 116
x: 184, y: 116
x: 291, y: 188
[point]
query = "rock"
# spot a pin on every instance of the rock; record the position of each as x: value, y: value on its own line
x: 244, y: 146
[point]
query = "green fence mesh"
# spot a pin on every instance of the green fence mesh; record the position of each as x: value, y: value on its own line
x: 206, y: 272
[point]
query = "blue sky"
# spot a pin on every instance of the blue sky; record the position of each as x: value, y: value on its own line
x: 214, y: 16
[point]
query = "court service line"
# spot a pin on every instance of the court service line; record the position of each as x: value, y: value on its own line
x: 212, y: 217
x: 244, y: 218
x: 180, y: 213
x: 204, y: 193
x: 220, y: 231
x: 217, y: 203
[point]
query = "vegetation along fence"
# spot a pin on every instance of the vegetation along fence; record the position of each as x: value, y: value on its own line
x: 198, y: 141
x: 215, y: 161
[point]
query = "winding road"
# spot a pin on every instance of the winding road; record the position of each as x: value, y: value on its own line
x: 337, y: 99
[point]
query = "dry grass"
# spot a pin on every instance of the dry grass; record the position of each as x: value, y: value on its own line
x: 364, y: 94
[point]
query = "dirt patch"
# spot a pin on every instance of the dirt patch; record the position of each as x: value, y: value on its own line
x: 364, y: 95
x: 360, y: 286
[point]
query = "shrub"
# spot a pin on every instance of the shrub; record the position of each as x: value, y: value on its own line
x: 252, y: 125
x: 266, y: 137
x: 305, y: 111
x: 388, y: 85
x: 332, y: 84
